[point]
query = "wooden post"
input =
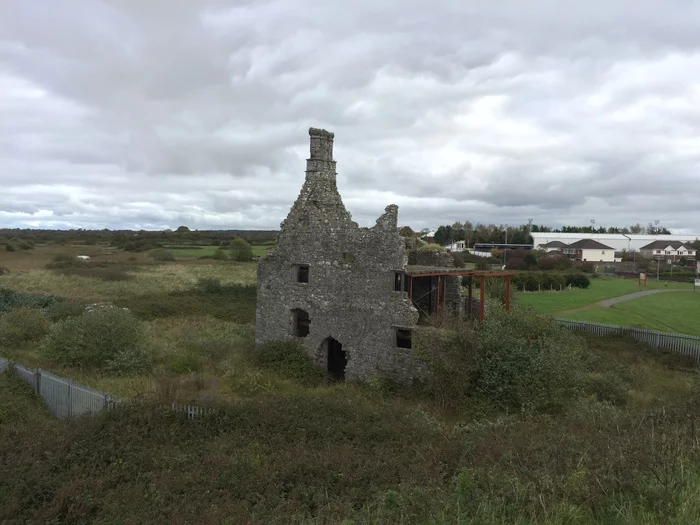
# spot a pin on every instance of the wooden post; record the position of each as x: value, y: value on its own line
x: 444, y: 293
x: 507, y: 293
x: 470, y: 295
x: 482, y: 298
x: 437, y: 294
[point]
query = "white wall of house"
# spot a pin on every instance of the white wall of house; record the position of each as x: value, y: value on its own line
x: 458, y: 246
x: 598, y: 255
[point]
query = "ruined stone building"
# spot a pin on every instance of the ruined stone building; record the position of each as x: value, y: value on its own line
x: 347, y: 293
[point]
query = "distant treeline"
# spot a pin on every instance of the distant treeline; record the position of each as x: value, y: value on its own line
x: 493, y: 233
x: 120, y: 238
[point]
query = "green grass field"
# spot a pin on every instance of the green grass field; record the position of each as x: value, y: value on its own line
x: 186, y: 251
x: 558, y: 302
x: 669, y: 312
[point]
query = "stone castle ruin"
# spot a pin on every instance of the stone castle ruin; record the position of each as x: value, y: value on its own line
x: 348, y: 293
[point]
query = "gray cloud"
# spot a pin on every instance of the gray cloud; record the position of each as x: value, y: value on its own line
x: 152, y: 114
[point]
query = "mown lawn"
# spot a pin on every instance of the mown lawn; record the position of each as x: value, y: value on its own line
x: 666, y: 312
x: 599, y: 290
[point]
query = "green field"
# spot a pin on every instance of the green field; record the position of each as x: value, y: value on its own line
x: 666, y: 312
x: 558, y: 302
x: 185, y: 251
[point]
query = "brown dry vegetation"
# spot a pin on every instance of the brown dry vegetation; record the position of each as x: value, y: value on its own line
x: 287, y: 446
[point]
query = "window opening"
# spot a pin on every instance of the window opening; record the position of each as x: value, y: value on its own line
x: 302, y: 323
x: 301, y: 272
x: 403, y: 338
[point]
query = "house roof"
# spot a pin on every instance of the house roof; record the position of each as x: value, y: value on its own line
x: 554, y: 244
x: 660, y: 245
x: 588, y: 244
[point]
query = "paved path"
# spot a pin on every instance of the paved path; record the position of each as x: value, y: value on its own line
x: 607, y: 303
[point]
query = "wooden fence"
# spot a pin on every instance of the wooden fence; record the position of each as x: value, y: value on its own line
x: 679, y: 343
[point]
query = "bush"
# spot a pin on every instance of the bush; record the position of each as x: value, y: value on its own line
x: 161, y: 255
x: 60, y: 310
x: 209, y: 285
x: 527, y: 361
x: 9, y: 247
x: 430, y: 247
x: 241, y: 251
x: 288, y: 359
x: 25, y: 246
x: 64, y: 260
x: 515, y: 360
x: 221, y: 255
x: 458, y: 260
x: 10, y: 299
x: 577, y: 280
x: 109, y: 339
x: 4, y: 271
x: 22, y: 325
x: 185, y: 363
x: 608, y: 386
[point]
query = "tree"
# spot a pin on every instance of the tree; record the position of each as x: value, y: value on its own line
x: 241, y: 251
x: 182, y: 229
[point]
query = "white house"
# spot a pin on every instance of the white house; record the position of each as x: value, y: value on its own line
x: 590, y: 250
x: 667, y: 250
x: 458, y: 246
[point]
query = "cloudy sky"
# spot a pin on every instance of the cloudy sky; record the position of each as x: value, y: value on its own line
x: 156, y: 113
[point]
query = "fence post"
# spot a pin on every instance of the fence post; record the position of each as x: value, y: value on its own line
x: 658, y: 340
x: 69, y: 404
x: 37, y: 381
x: 107, y: 400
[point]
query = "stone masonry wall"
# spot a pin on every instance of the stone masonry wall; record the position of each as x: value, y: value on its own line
x: 350, y: 291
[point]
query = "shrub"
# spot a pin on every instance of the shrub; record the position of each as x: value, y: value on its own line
x: 515, y: 360
x: 241, y: 251
x: 430, y: 247
x: 108, y: 338
x: 185, y: 363
x: 4, y: 271
x: 458, y: 260
x: 209, y: 285
x: 10, y: 299
x: 221, y: 255
x: 25, y: 246
x: 161, y: 255
x: 22, y: 325
x: 527, y: 361
x: 288, y: 359
x: 64, y: 260
x: 577, y: 280
x: 60, y: 310
x: 608, y: 386
x: 9, y: 247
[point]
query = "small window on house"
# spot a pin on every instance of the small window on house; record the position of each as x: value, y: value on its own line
x: 301, y: 322
x: 301, y: 273
x: 603, y: 252
x: 403, y: 338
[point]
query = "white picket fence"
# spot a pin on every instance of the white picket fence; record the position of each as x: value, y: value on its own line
x: 679, y: 343
x: 67, y: 399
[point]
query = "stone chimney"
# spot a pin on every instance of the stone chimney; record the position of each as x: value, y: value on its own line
x: 321, y: 160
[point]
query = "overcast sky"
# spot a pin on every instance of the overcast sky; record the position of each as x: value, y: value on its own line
x: 156, y: 113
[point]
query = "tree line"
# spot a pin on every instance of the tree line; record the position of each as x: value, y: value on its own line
x: 493, y: 233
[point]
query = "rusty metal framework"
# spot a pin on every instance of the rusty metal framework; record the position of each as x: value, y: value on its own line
x: 440, y: 290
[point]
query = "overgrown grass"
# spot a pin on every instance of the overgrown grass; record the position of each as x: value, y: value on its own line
x: 150, y: 280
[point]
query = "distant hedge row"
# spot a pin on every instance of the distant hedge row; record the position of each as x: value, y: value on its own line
x: 534, y: 281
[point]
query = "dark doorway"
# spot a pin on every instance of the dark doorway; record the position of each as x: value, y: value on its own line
x: 337, y: 360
